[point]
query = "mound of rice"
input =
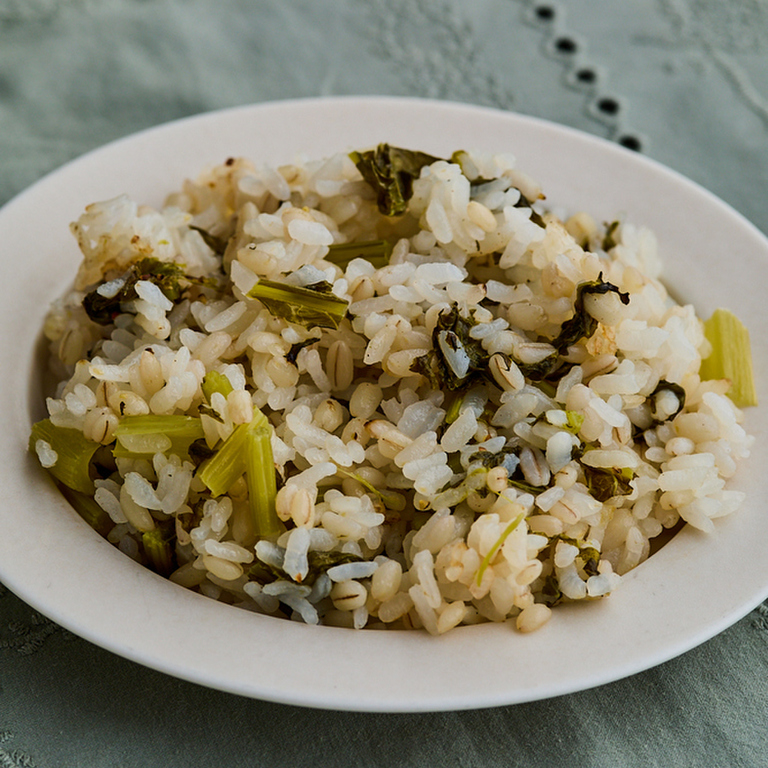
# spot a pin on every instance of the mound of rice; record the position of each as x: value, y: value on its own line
x: 496, y: 412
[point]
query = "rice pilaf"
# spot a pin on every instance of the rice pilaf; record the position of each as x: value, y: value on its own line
x: 382, y: 390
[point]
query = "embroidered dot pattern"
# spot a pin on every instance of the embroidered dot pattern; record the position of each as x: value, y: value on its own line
x: 581, y: 74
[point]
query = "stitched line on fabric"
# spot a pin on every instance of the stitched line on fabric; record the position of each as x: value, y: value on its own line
x: 450, y: 71
x: 579, y: 73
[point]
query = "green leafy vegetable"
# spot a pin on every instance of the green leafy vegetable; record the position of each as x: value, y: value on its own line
x: 377, y: 252
x: 507, y: 458
x: 226, y: 465
x: 293, y: 352
x: 589, y: 555
x: 582, y: 324
x: 199, y: 451
x: 731, y: 357
x: 390, y: 171
x: 456, y: 359
x: 676, y: 389
x: 319, y: 562
x: 164, y: 274
x: 590, y: 560
x: 609, y: 239
x: 73, y: 451
x: 217, y: 244
x: 536, y: 217
x: 574, y: 421
x: 522, y: 485
x: 310, y: 306
x: 551, y: 595
x: 541, y: 370
x: 605, y: 483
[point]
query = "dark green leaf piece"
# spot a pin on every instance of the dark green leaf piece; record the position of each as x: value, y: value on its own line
x: 541, y: 370
x: 293, y: 352
x: 390, y: 171
x: 319, y: 562
x: 605, y: 483
x: 550, y: 592
x: 676, y: 389
x: 536, y: 217
x: 164, y: 274
x: 217, y: 244
x: 590, y: 558
x: 456, y: 359
x: 609, y: 239
x: 582, y: 325
x: 199, y: 451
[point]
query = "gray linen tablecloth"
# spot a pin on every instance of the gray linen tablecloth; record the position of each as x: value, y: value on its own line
x: 683, y: 81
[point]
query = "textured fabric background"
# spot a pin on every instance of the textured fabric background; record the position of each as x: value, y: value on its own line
x: 683, y: 81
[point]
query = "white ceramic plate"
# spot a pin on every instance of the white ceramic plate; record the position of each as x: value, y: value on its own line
x: 692, y: 589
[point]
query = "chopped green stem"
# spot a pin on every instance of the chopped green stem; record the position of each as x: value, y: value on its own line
x: 227, y: 464
x: 454, y: 409
x: 303, y: 306
x: 73, y: 454
x: 88, y: 509
x: 173, y: 426
x: 377, y: 252
x: 213, y: 381
x: 248, y: 450
x: 390, y: 499
x: 261, y: 479
x: 525, y: 487
x: 731, y: 357
x: 158, y: 551
x: 144, y: 436
x: 495, y: 548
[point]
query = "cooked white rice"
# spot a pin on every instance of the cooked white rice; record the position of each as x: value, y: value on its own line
x: 401, y: 502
